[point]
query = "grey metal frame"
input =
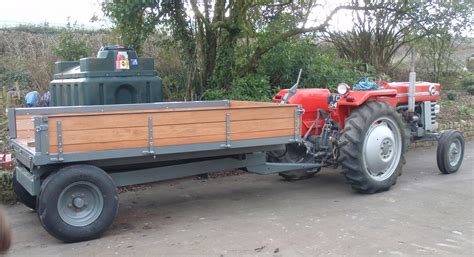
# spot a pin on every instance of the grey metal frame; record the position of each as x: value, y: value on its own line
x: 235, y: 154
x: 113, y: 108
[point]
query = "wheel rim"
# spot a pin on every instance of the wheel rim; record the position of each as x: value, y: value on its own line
x: 382, y: 148
x: 454, y: 152
x: 80, y: 204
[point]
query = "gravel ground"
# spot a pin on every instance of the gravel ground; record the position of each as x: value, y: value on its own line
x: 426, y: 213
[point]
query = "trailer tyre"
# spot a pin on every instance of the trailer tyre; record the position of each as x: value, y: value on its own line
x: 77, y: 203
x: 23, y: 195
x: 372, y: 146
x: 450, y: 151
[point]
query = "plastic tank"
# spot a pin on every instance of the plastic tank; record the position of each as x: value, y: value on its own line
x: 116, y: 76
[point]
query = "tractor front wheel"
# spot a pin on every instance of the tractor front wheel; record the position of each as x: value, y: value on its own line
x: 450, y: 151
x: 372, y: 147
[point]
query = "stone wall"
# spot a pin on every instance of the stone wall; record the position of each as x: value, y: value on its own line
x: 467, y: 127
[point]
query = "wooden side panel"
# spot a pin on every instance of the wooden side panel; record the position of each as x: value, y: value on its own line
x: 25, y: 128
x: 108, y: 131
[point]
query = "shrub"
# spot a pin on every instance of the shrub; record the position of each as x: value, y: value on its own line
x: 465, y: 111
x: 70, y: 46
x: 451, y: 95
x: 468, y: 81
x: 470, y: 90
x: 253, y: 87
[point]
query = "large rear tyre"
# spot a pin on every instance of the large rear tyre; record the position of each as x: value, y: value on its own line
x: 77, y: 203
x: 295, y: 153
x: 450, y: 152
x: 372, y: 147
x: 23, y: 195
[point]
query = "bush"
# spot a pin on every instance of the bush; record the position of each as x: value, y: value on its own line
x: 468, y: 81
x: 465, y: 111
x: 470, y: 90
x: 321, y: 66
x: 71, y: 47
x: 451, y: 95
x: 253, y: 87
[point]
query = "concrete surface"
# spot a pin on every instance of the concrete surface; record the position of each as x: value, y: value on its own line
x: 426, y: 213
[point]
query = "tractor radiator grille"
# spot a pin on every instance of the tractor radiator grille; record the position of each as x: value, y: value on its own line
x: 429, y: 115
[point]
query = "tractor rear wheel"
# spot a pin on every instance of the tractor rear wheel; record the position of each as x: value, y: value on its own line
x: 294, y: 153
x: 372, y: 147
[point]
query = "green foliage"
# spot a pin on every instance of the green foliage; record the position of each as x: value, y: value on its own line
x: 451, y: 95
x: 253, y: 87
x: 468, y: 81
x: 446, y: 103
x: 70, y: 46
x: 465, y: 111
x: 470, y: 89
x: 22, y: 76
x: 321, y: 68
x: 134, y: 20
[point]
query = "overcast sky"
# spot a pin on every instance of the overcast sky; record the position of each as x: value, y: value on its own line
x: 56, y: 13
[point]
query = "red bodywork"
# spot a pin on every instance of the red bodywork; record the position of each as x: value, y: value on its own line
x: 313, y: 99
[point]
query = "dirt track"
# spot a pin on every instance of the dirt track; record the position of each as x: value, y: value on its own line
x: 424, y: 214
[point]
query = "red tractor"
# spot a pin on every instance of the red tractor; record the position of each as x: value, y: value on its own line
x: 368, y: 131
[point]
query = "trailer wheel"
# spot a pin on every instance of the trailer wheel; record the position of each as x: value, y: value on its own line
x: 372, y: 146
x: 77, y: 203
x: 23, y: 195
x: 294, y: 153
x: 450, y: 151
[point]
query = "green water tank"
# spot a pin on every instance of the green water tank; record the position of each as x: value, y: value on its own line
x: 116, y: 76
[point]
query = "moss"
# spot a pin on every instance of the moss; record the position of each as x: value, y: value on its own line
x: 7, y: 196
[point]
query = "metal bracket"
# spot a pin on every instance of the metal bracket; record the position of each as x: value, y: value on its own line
x: 60, y: 141
x: 151, y: 145
x: 227, y: 131
x: 298, y: 112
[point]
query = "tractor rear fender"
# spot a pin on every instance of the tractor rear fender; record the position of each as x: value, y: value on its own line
x: 357, y: 98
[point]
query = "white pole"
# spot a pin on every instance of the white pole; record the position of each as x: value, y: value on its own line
x: 411, y: 85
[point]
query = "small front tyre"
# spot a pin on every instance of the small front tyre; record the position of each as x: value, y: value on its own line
x: 77, y: 203
x: 450, y: 152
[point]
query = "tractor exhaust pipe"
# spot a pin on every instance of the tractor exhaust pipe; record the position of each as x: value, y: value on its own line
x: 411, y: 85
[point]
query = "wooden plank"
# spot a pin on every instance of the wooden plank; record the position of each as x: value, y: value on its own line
x: 262, y: 113
x: 24, y: 134
x: 262, y: 134
x: 167, y: 118
x: 90, y: 147
x: 235, y: 103
x: 137, y: 133
x: 135, y: 120
x: 261, y: 125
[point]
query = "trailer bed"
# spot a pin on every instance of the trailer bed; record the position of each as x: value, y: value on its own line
x: 81, y: 133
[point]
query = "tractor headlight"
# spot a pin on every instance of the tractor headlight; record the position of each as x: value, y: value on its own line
x: 343, y: 88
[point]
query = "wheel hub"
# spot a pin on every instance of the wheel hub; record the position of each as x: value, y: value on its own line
x: 382, y: 149
x: 454, y: 152
x: 80, y: 204
x: 386, y: 148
